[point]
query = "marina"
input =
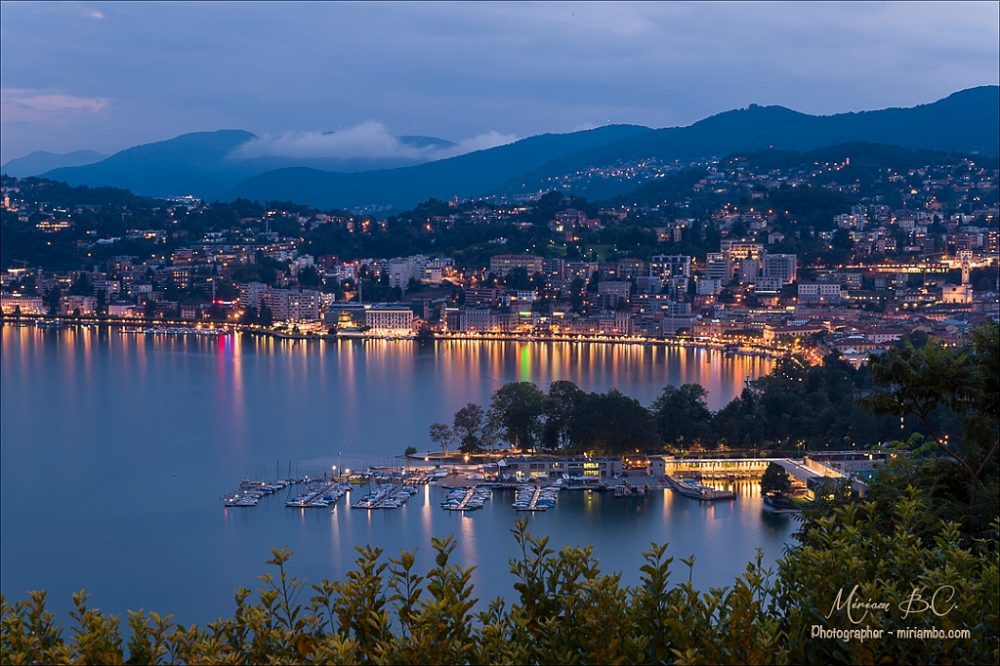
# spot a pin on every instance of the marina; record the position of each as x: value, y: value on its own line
x: 336, y: 407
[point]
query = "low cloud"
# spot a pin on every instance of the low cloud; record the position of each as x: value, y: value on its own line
x: 490, y: 139
x: 367, y: 140
x: 30, y: 105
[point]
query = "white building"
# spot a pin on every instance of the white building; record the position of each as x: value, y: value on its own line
x: 29, y: 305
x: 819, y: 292
x: 392, y: 317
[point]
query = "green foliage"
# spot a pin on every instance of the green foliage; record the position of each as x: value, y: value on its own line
x: 681, y: 413
x: 564, y: 610
x: 470, y: 427
x: 612, y: 422
x: 441, y: 434
x: 797, y: 404
x: 516, y: 410
x: 940, y: 385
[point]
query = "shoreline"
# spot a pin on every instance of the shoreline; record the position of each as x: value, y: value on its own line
x: 687, y: 343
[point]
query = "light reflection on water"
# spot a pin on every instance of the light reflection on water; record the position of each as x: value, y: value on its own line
x: 116, y: 449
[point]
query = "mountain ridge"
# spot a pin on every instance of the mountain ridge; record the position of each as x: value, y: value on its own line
x: 202, y: 163
x: 40, y: 161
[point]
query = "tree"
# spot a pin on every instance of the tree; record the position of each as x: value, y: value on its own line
x: 309, y: 277
x: 775, y: 480
x: 441, y: 435
x: 517, y: 278
x: 560, y: 405
x: 516, y: 410
x: 470, y: 428
x: 424, y: 333
x: 52, y: 299
x: 410, y: 451
x: 249, y: 316
x: 613, y: 423
x: 266, y: 317
x: 682, y: 413
x: 938, y: 385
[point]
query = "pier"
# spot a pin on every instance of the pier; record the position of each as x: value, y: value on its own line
x: 536, y: 498
x: 325, y: 495
x: 470, y: 498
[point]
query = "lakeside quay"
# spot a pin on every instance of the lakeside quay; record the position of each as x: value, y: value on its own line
x: 742, y: 348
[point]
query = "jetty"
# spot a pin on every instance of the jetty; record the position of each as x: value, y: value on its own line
x: 470, y: 498
x: 386, y: 496
x: 536, y: 498
x: 318, y: 497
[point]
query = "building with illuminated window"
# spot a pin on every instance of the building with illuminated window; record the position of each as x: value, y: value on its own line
x: 551, y: 468
x: 389, y: 317
x: 502, y: 264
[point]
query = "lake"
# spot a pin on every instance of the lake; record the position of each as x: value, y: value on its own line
x: 115, y: 450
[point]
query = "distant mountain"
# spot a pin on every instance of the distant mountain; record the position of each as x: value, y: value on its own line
x: 863, y: 162
x: 189, y: 164
x: 463, y: 176
x: 205, y: 164
x: 964, y: 122
x: 40, y: 161
x: 208, y: 164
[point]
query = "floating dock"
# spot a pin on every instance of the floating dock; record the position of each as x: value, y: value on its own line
x: 318, y: 498
x: 466, y: 498
x: 693, y: 489
x: 536, y: 498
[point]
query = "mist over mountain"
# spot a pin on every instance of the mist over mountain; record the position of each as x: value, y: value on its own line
x: 208, y: 164
x: 463, y: 176
x: 40, y: 161
x: 366, y: 167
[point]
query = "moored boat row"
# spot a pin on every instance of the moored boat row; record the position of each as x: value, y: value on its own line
x: 471, y: 498
x: 536, y: 498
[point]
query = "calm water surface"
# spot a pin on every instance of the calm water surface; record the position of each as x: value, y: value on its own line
x: 115, y: 450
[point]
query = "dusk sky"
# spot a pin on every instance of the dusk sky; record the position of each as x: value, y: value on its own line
x: 105, y: 76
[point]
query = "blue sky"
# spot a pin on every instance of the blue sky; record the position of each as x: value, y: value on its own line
x: 106, y: 76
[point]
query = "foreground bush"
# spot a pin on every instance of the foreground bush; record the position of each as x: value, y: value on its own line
x: 565, y: 611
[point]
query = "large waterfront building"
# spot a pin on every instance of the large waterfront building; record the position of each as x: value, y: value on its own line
x: 28, y: 305
x: 389, y: 317
x: 292, y: 305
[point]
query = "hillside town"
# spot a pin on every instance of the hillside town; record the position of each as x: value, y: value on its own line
x: 764, y: 252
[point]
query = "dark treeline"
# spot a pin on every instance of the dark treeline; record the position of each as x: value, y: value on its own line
x: 795, y: 406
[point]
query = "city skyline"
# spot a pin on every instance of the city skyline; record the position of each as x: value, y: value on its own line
x: 476, y: 75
